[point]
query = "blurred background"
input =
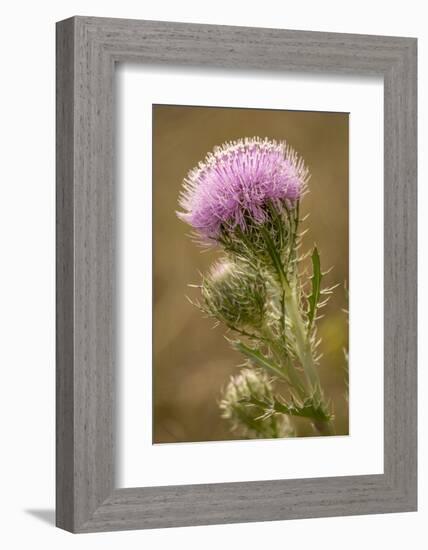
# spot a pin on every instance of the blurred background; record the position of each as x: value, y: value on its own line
x: 192, y: 361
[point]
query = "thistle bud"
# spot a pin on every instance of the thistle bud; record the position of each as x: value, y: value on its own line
x: 245, y: 401
x: 235, y: 294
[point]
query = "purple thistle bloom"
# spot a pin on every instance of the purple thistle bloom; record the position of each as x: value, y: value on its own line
x: 237, y: 180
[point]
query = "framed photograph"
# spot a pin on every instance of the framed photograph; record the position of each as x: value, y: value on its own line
x: 236, y: 274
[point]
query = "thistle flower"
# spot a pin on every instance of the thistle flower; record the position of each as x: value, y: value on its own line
x: 238, y: 406
x: 234, y: 293
x: 237, y: 181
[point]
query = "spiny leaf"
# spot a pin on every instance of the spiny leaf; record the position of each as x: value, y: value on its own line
x: 258, y: 359
x: 316, y: 287
x: 311, y: 408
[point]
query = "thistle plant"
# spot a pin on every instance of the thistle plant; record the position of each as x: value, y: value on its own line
x: 245, y: 199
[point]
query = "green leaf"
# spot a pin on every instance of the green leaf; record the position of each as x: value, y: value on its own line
x: 316, y: 287
x: 311, y: 408
x: 258, y: 359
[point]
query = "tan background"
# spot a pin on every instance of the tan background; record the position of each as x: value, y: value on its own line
x: 191, y: 360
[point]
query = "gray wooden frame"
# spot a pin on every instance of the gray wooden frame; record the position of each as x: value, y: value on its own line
x: 87, y: 50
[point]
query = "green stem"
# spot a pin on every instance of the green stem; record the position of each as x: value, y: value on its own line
x: 291, y: 307
x: 303, y: 347
x: 289, y: 370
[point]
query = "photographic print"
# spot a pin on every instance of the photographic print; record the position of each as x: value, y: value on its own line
x: 250, y: 274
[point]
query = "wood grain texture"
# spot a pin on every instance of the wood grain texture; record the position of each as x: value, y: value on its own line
x: 64, y: 277
x: 87, y: 50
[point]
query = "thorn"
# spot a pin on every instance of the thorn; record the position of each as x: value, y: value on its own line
x: 323, y: 273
